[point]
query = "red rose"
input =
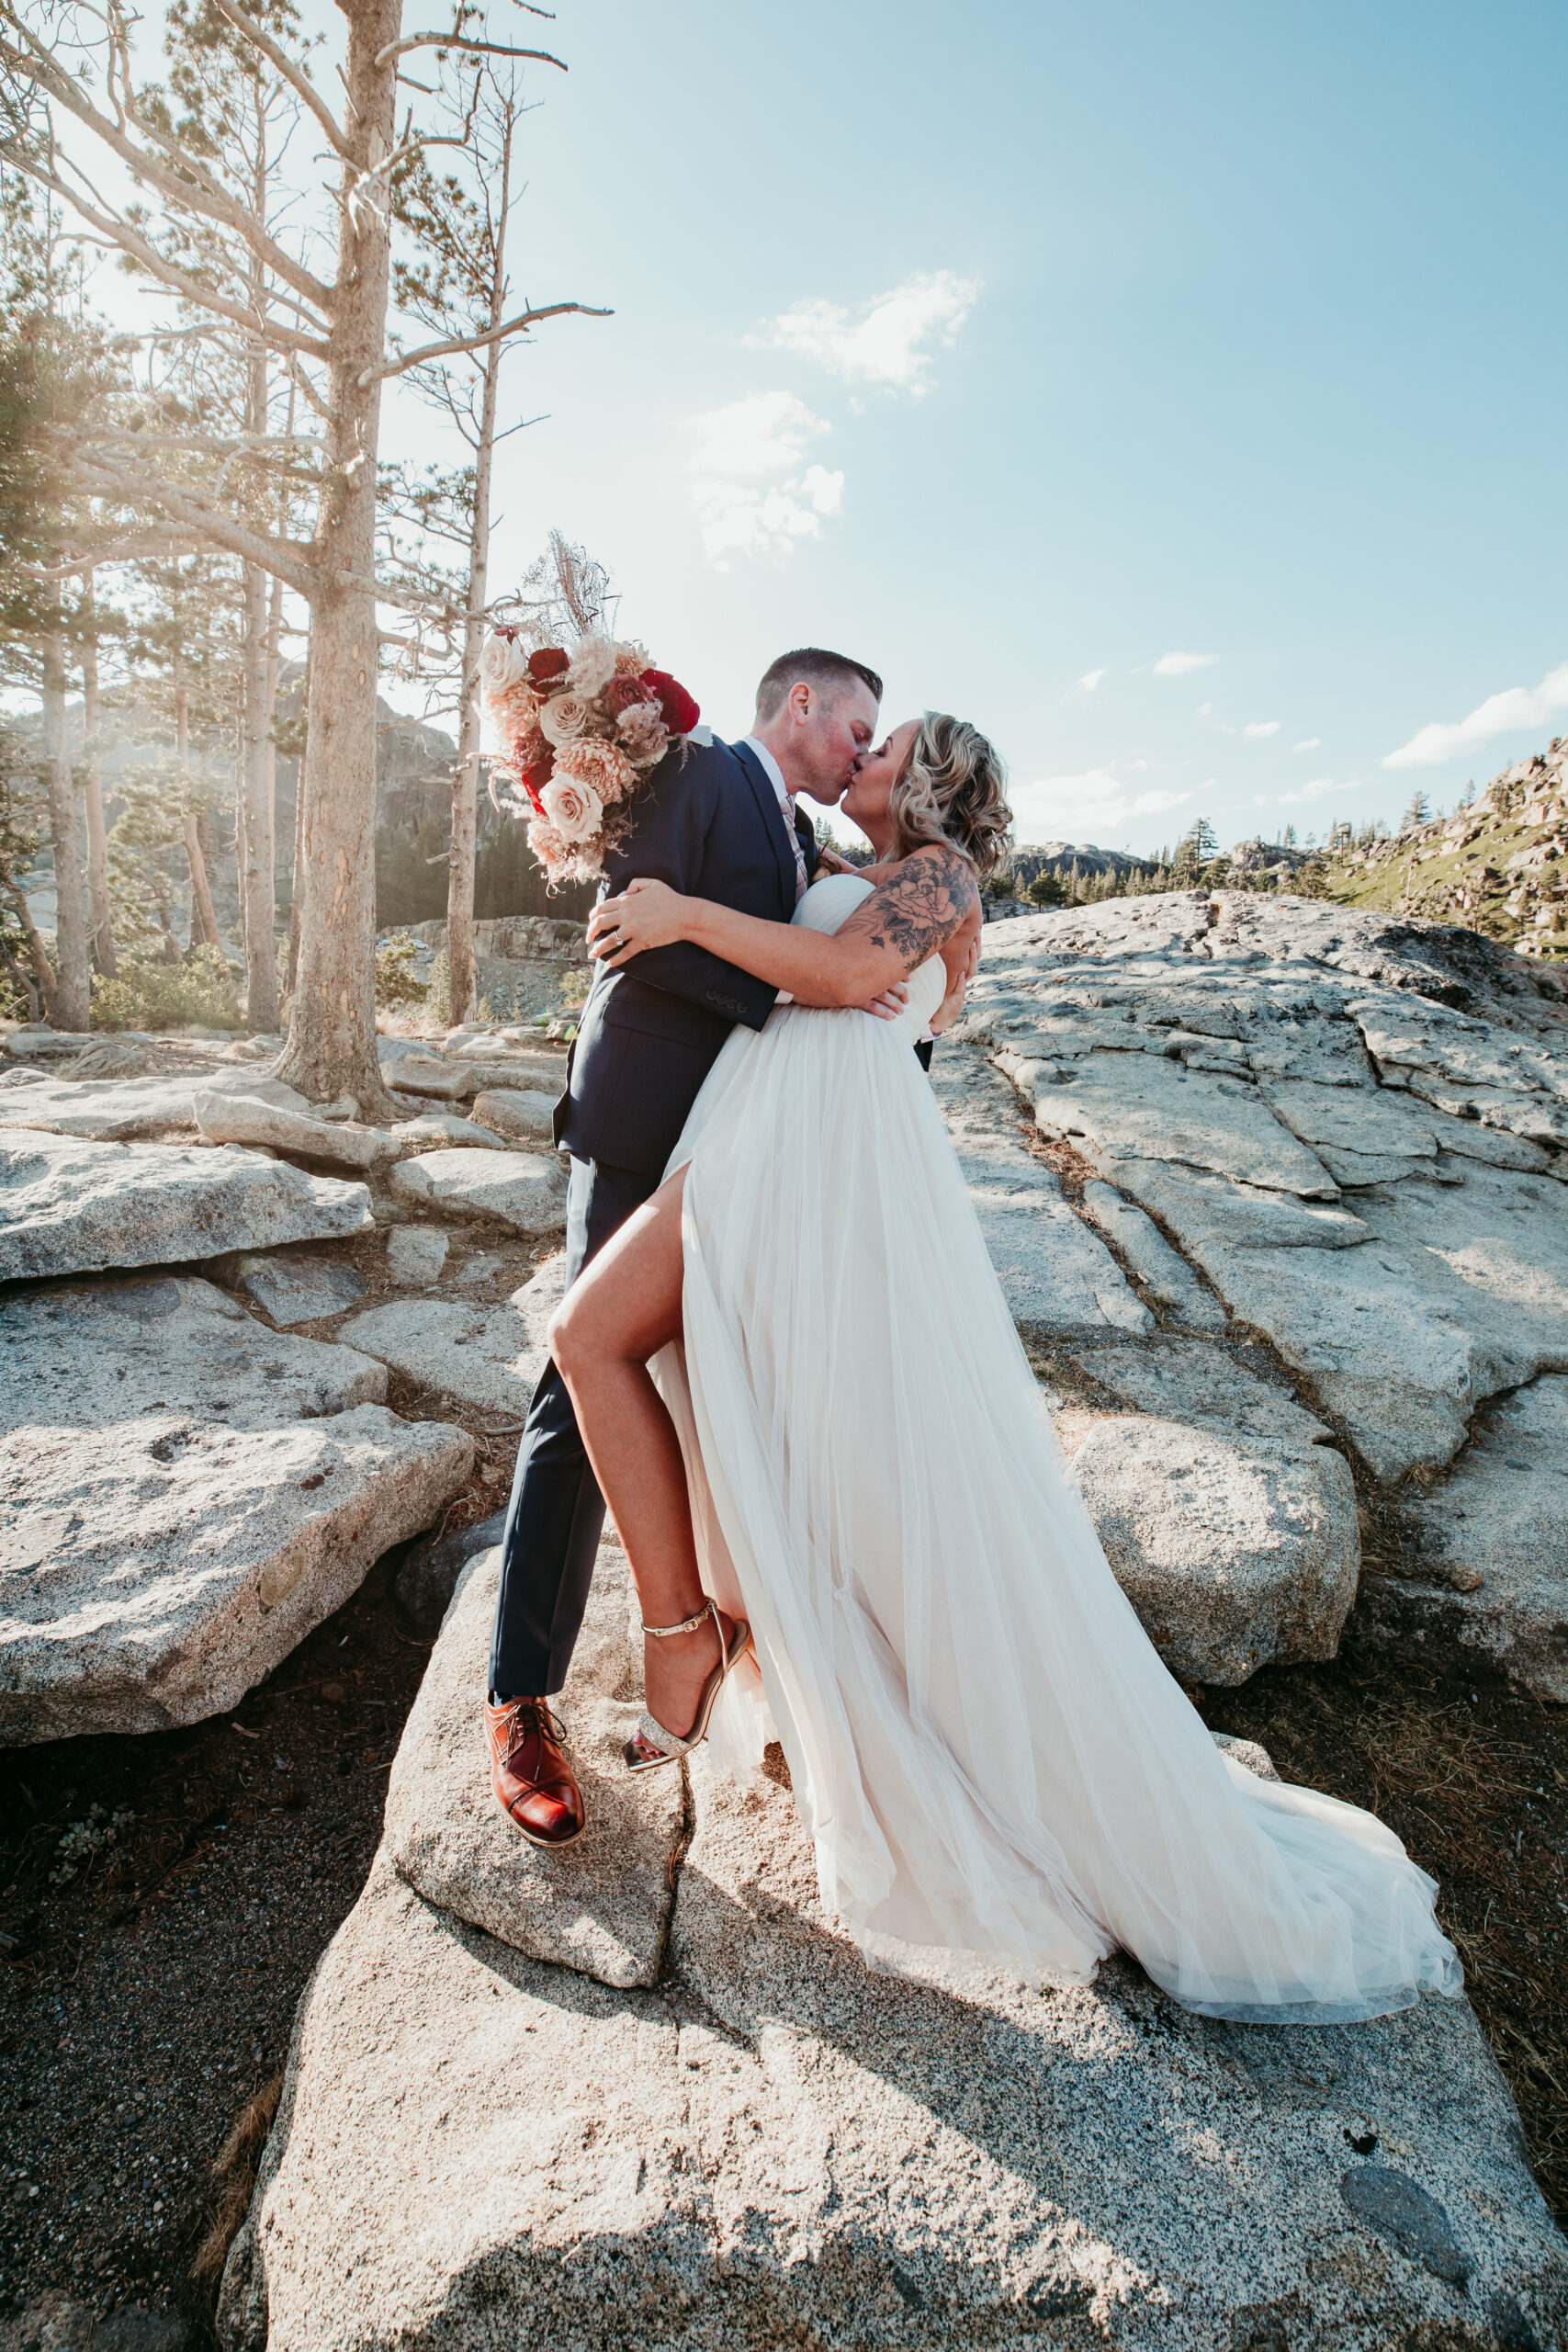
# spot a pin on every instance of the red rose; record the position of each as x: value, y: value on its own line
x: 536, y: 778
x: 622, y: 692
x: 549, y: 663
x: 681, y: 713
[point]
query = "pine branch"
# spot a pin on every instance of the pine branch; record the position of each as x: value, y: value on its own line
x: 35, y: 66
x: 140, y: 543
x: 459, y: 40
x: 285, y: 559
x: 174, y: 279
x: 282, y: 64
x: 477, y: 342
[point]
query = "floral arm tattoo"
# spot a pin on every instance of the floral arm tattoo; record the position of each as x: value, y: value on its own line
x: 931, y: 897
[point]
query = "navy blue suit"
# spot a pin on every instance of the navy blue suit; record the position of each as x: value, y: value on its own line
x: 712, y: 827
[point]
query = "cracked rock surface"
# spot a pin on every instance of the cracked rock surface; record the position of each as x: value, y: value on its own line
x: 1355, y: 1129
x: 183, y: 1493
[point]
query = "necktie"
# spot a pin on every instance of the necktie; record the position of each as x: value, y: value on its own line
x: 799, y: 852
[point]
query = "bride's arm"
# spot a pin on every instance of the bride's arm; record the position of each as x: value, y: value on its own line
x: 921, y: 910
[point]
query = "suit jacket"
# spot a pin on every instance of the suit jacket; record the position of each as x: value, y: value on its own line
x: 712, y: 827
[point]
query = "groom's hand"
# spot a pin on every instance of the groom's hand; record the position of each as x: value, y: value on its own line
x: 890, y: 1004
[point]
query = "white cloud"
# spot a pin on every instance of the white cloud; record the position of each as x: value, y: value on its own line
x: 1516, y: 707
x: 1178, y: 665
x: 885, y: 342
x: 1097, y: 806
x: 1262, y: 727
x: 1313, y: 743
x: 1090, y: 679
x: 1316, y: 790
x: 1204, y: 708
x: 751, y: 491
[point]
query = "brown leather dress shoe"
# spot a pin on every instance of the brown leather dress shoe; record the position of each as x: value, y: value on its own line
x: 533, y: 1781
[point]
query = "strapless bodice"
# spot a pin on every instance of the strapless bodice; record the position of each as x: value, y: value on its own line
x: 828, y: 906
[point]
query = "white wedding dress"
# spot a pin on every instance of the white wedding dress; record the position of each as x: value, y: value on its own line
x: 985, y: 1747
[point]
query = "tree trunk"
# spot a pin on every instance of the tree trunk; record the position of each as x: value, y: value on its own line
x: 203, y: 921
x: 97, y: 844
x: 72, y: 991
x: 40, y: 990
x: 301, y: 879
x: 466, y: 776
x: 252, y: 839
x: 332, y: 1033
x: 255, y: 875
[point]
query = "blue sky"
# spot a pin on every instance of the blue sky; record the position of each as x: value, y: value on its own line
x: 1175, y: 391
x: 1226, y: 332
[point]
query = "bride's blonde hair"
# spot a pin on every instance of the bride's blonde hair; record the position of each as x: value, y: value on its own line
x: 951, y: 790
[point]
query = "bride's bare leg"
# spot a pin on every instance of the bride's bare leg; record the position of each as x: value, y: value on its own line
x: 620, y: 1311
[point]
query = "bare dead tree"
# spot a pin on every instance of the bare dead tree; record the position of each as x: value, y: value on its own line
x: 330, y: 334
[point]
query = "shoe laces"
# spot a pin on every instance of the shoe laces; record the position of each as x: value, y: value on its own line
x: 530, y: 1716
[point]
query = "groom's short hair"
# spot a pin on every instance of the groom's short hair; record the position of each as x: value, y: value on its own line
x: 830, y: 672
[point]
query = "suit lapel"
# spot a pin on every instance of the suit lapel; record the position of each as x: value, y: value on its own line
x: 773, y: 824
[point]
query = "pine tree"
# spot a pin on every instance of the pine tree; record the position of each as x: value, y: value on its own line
x: 330, y: 333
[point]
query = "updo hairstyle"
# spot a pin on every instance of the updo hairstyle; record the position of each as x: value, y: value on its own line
x: 952, y: 791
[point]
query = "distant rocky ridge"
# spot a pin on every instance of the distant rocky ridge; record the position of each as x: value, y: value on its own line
x: 1498, y: 867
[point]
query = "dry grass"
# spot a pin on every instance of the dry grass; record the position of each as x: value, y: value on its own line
x: 234, y: 2169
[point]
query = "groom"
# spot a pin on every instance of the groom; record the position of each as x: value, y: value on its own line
x: 722, y: 824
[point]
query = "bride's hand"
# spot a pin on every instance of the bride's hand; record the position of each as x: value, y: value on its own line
x: 952, y: 1006
x: 647, y: 914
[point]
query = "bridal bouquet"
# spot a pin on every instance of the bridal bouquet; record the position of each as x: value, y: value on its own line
x: 579, y: 733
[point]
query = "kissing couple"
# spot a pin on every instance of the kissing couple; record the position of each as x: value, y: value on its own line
x: 785, y: 1361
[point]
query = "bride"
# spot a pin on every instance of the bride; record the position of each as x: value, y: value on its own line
x: 794, y: 1369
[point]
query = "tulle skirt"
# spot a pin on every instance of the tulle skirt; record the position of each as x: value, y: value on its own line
x: 984, y: 1744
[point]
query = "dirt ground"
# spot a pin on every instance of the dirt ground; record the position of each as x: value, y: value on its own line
x: 148, y: 1998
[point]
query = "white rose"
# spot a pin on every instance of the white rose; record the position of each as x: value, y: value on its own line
x: 564, y: 718
x: 502, y: 662
x: 593, y: 666
x: 574, y: 810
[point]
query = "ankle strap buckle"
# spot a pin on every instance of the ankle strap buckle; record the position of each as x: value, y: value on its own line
x: 688, y: 1625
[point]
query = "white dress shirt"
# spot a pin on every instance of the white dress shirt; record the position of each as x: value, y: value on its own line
x: 774, y: 774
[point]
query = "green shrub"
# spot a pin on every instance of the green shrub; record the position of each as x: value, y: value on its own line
x: 438, y: 987
x: 151, y: 994
x: 396, y: 982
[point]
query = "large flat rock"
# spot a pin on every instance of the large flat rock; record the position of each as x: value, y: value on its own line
x: 487, y: 1356
x: 119, y: 1110
x: 601, y: 1904
x: 246, y: 1118
x: 1231, y: 1528
x: 774, y: 2147
x: 518, y: 1114
x: 525, y: 1190
x: 69, y: 1205
x: 1235, y: 1552
x: 1056, y: 1273
x: 89, y: 1354
x: 183, y: 1493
